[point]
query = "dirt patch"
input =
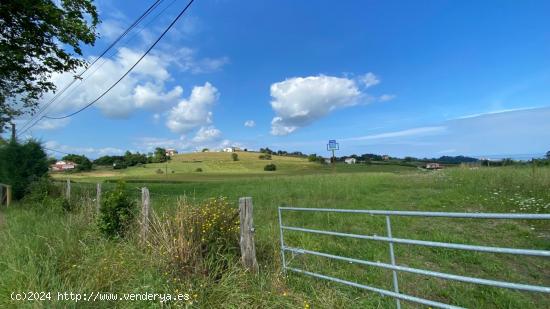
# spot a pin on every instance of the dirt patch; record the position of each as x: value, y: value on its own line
x: 104, y: 174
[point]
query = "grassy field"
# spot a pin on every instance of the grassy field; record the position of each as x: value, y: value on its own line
x: 43, y: 250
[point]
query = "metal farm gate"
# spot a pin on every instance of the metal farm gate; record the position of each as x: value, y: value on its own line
x: 391, y: 241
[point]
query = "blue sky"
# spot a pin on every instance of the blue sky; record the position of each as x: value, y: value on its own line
x: 425, y: 79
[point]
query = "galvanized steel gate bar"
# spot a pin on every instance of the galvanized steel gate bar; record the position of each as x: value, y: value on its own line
x: 394, y: 267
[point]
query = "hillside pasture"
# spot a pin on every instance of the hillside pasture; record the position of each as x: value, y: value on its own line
x: 219, y: 166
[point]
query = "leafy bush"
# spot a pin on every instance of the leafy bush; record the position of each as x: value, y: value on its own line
x: 198, y: 169
x: 198, y: 238
x: 117, y: 165
x: 41, y: 189
x: 159, y: 171
x: 270, y: 167
x: 117, y: 212
x: 266, y: 156
x: 44, y: 193
x: 21, y: 164
x: 235, y: 157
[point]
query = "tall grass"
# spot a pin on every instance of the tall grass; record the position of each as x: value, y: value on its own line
x: 48, y: 250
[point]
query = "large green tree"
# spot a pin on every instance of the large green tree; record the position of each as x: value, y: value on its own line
x: 38, y: 38
x: 21, y: 164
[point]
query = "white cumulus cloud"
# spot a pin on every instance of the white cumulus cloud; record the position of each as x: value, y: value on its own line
x: 146, y: 87
x: 300, y: 101
x: 207, y: 134
x: 249, y: 123
x: 369, y: 80
x: 92, y: 152
x: 194, y: 111
x: 386, y: 97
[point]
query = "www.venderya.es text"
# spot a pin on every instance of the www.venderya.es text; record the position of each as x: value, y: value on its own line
x: 97, y: 296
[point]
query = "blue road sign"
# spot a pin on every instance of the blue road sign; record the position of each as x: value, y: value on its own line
x: 332, y: 145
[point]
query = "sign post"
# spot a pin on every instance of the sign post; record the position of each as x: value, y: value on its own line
x: 333, y: 146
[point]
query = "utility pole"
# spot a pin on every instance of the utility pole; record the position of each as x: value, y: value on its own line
x: 13, y: 132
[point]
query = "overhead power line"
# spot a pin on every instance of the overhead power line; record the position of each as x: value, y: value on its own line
x: 127, y: 72
x: 79, y: 76
x: 56, y: 151
x: 131, y: 68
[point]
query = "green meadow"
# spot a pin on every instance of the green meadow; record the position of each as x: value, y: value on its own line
x: 45, y: 250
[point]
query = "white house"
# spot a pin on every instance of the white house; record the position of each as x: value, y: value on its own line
x: 170, y: 152
x: 433, y: 166
x: 231, y: 149
x: 63, y: 166
x: 350, y: 160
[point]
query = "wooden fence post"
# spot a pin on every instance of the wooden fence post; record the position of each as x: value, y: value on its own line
x: 98, y: 197
x: 8, y: 196
x: 144, y: 213
x: 248, y: 248
x: 68, y: 190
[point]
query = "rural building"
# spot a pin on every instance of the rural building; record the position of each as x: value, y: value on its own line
x: 385, y: 157
x: 350, y: 160
x: 62, y: 166
x: 327, y: 160
x: 170, y: 152
x: 231, y: 149
x: 433, y: 166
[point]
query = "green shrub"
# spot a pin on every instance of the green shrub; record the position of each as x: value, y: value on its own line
x: 235, y: 157
x: 270, y: 167
x: 117, y: 212
x: 44, y: 193
x: 159, y: 171
x: 198, y: 169
x: 118, y: 165
x: 266, y: 156
x: 41, y: 189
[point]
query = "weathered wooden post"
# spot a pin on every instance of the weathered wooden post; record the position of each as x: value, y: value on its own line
x: 8, y: 196
x: 68, y: 190
x: 248, y: 248
x: 98, y: 197
x: 144, y: 213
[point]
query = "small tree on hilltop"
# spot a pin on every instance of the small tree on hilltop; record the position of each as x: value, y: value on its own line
x: 160, y: 155
x: 235, y: 157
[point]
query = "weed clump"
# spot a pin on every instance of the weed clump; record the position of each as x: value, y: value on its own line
x: 270, y: 167
x: 198, y: 238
